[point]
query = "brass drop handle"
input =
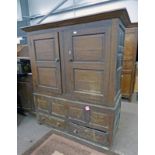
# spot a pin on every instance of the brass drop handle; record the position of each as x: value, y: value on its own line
x: 57, y: 60
x: 75, y: 131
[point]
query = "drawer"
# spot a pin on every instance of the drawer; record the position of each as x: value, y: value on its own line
x: 101, y: 120
x: 59, y: 108
x: 94, y: 117
x: 42, y: 103
x: 52, y: 121
x: 76, y: 112
x: 90, y: 134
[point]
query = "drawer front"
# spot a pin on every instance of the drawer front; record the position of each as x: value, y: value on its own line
x: 52, y: 121
x: 43, y: 103
x: 76, y: 112
x: 85, y: 115
x: 100, y: 119
x: 89, y: 134
x: 59, y: 108
x: 95, y: 118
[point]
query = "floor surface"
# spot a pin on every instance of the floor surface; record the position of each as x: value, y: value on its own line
x: 125, y: 142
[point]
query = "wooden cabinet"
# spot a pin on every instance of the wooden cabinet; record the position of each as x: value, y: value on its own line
x: 76, y: 67
x: 129, y: 61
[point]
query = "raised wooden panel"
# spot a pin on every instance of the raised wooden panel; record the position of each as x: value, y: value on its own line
x: 47, y: 77
x: 59, y: 109
x: 88, y: 47
x: 45, y: 49
x: 75, y: 113
x: 42, y: 103
x: 52, y: 121
x: 46, y: 63
x: 88, y: 80
x: 99, y: 119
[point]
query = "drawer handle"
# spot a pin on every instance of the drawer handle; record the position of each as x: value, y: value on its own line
x: 75, y: 131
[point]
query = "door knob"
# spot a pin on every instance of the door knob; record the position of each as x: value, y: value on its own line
x: 57, y: 60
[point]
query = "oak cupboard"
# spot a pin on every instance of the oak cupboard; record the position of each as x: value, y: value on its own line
x: 129, y: 61
x: 76, y: 66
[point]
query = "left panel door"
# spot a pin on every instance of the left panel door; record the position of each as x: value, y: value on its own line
x: 45, y: 59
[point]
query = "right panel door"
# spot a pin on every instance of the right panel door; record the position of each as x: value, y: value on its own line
x: 85, y: 52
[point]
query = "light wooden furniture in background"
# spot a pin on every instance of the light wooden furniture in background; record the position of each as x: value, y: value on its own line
x: 129, y: 61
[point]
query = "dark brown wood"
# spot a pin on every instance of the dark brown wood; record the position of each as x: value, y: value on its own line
x: 129, y: 62
x: 46, y: 62
x: 25, y: 92
x: 132, y: 25
x: 85, y: 56
x: 89, y: 134
x: 52, y: 121
x: 121, y: 14
x: 76, y: 74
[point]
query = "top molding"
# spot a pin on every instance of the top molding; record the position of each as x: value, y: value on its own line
x: 122, y: 14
